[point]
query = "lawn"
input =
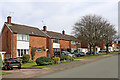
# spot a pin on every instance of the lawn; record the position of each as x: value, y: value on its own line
x: 34, y: 65
x: 92, y: 56
x: 4, y: 73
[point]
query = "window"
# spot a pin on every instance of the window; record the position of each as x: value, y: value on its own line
x: 38, y: 50
x: 55, y: 40
x: 20, y: 52
x: 72, y: 42
x: 23, y: 37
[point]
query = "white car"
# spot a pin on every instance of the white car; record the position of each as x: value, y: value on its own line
x: 117, y: 50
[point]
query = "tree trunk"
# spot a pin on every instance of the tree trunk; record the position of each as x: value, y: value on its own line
x: 90, y: 50
x: 107, y: 45
x: 94, y: 50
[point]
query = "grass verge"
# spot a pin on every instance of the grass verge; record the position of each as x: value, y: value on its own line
x: 92, y: 56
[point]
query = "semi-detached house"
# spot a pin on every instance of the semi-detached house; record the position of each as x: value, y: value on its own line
x: 19, y: 39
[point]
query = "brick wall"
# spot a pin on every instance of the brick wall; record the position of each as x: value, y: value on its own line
x: 64, y: 44
x: 74, y: 45
x: 6, y: 40
x: 36, y: 41
x: 14, y: 48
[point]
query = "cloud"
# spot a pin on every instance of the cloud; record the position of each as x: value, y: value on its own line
x: 56, y: 14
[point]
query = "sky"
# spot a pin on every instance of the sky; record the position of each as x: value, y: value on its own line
x: 57, y: 15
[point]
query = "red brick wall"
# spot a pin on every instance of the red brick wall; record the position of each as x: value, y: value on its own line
x: 115, y: 45
x: 6, y: 40
x: 64, y: 44
x: 14, y: 45
x: 74, y: 45
x: 36, y: 41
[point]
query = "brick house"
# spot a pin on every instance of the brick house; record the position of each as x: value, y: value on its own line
x: 59, y: 42
x: 19, y: 39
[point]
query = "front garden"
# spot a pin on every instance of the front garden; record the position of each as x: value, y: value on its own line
x: 43, y: 62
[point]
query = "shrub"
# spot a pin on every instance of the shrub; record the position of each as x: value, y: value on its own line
x: 56, y: 59
x: 44, y: 61
x: 64, y: 57
x: 26, y: 58
x: 70, y: 58
x: 20, y: 60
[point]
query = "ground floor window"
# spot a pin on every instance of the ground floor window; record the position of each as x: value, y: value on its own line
x: 20, y: 52
x: 56, y: 50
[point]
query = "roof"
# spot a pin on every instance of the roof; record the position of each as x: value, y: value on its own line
x: 23, y: 29
x: 60, y: 36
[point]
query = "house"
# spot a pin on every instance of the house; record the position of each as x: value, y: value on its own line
x: 20, y: 39
x: 17, y: 39
x: 59, y: 42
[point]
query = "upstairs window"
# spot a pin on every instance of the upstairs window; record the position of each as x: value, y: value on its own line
x: 72, y: 42
x: 56, y: 41
x: 23, y: 37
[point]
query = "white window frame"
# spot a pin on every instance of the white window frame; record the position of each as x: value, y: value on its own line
x: 22, y: 37
x: 27, y: 52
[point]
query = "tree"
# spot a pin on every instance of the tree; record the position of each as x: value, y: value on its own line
x: 90, y: 29
x: 109, y: 34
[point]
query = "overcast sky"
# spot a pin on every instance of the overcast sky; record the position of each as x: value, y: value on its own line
x: 57, y: 15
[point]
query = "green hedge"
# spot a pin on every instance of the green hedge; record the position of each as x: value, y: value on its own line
x: 44, y: 61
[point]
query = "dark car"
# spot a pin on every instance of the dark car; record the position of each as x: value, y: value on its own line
x: 11, y: 63
x: 102, y: 51
x: 89, y: 52
x: 78, y: 54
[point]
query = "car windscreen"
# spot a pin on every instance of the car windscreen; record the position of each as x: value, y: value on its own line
x: 13, y: 59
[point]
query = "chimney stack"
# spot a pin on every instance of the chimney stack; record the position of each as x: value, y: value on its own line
x: 63, y: 32
x: 45, y: 28
x: 9, y: 19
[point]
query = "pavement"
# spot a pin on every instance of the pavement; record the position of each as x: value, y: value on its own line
x: 33, y: 73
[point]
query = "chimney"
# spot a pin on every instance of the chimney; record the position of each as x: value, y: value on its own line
x: 63, y: 32
x: 9, y: 19
x: 45, y: 28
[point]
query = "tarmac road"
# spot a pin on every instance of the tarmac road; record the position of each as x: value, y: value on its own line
x: 104, y: 68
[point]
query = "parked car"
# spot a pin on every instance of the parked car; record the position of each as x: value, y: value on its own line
x: 116, y: 50
x: 89, y: 52
x: 11, y: 63
x: 102, y: 51
x: 68, y: 54
x: 59, y: 53
x: 78, y: 54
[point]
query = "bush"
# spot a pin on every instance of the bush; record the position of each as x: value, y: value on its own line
x: 64, y: 57
x: 26, y: 58
x: 70, y: 58
x: 44, y: 61
x: 56, y: 59
x: 20, y: 60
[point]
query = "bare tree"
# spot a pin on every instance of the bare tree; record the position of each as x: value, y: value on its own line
x: 90, y: 28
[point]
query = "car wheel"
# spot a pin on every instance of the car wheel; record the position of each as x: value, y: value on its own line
x: 19, y: 67
x: 78, y: 55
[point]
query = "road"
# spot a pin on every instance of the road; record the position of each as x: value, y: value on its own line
x: 105, y: 68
